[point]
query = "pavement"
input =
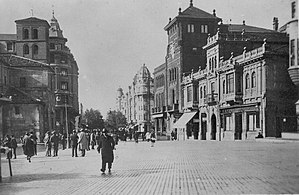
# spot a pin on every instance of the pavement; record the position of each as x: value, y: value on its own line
x: 170, y: 167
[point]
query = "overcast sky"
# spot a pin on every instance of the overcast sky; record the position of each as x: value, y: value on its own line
x: 111, y: 39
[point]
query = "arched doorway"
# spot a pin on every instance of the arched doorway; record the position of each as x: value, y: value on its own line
x: 213, y: 127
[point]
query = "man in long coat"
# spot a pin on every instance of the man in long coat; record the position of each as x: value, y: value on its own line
x: 106, y: 147
x: 74, y: 143
x: 82, y: 142
x: 28, y: 146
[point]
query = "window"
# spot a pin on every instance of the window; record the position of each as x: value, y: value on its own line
x: 9, y: 46
x: 196, y: 93
x: 35, y: 34
x: 247, y: 81
x: 190, y: 28
x: 52, y: 59
x: 25, y: 33
x: 293, y: 9
x: 213, y: 87
x: 52, y: 46
x: 223, y: 87
x: 26, y: 49
x: 35, y: 49
x: 204, y: 28
x: 17, y: 110
x: 189, y: 94
x: 64, y: 85
x: 63, y: 72
x: 230, y: 83
x: 173, y: 96
x: 201, y: 93
x: 22, y: 82
x: 292, y: 52
x: 253, y: 80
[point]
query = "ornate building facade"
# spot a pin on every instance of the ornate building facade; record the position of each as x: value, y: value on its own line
x: 137, y: 103
x: 30, y: 81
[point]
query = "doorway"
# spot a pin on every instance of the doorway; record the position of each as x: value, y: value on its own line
x: 203, y: 126
x: 213, y: 127
x: 238, y: 126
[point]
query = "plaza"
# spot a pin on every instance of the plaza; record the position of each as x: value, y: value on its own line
x: 170, y: 167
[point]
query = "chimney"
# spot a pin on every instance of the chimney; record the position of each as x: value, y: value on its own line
x: 243, y: 22
x: 275, y: 23
x: 191, y: 3
x: 214, y: 12
x: 169, y: 20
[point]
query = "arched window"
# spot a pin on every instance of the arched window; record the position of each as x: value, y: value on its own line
x: 247, y: 81
x: 200, y: 92
x: 35, y: 34
x: 204, y: 91
x: 26, y: 49
x: 210, y: 64
x: 25, y: 33
x: 223, y: 87
x: 35, y: 49
x: 253, y: 80
x: 169, y: 75
x: 215, y: 62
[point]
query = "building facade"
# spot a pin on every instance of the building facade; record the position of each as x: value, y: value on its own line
x: 138, y: 102
x: 30, y: 81
x: 187, y: 34
x: 241, y: 92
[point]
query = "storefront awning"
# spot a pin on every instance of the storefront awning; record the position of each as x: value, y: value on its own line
x: 184, y: 119
x: 157, y: 116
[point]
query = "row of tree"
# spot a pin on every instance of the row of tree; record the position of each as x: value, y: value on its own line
x: 94, y: 120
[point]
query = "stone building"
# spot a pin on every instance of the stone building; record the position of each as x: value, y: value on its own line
x: 137, y: 103
x: 30, y: 81
x: 187, y: 34
x: 66, y: 78
x: 244, y: 89
x: 291, y: 28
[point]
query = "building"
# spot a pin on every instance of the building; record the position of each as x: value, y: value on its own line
x: 244, y: 89
x: 66, y: 78
x: 30, y: 82
x: 187, y: 34
x: 291, y: 28
x: 137, y: 103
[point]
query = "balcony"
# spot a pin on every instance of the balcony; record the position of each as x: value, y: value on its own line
x: 158, y: 110
x: 233, y: 98
x: 192, y: 104
x: 173, y: 108
x: 211, y: 99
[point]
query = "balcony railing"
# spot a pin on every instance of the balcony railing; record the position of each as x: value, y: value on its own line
x: 173, y: 107
x: 158, y: 110
x: 211, y: 99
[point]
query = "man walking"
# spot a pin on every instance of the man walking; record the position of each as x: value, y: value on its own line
x: 74, y: 143
x: 106, y: 147
x: 55, y: 141
x: 83, y: 142
x: 14, y: 146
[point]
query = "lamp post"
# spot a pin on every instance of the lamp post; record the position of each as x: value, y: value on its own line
x: 66, y: 127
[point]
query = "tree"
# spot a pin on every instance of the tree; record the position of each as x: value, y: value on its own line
x: 115, y: 119
x: 94, y: 119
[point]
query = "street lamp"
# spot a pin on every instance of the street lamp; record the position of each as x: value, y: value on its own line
x: 66, y: 126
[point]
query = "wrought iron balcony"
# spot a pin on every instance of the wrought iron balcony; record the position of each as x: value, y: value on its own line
x: 172, y: 108
x: 211, y: 99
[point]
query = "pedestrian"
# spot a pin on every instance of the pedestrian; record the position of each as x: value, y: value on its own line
x: 136, y: 136
x: 148, y: 136
x: 28, y: 146
x: 48, y: 143
x: 172, y: 135
x: 92, y: 139
x: 34, y: 138
x: 7, y: 143
x: 14, y: 145
x: 106, y: 147
x: 88, y: 140
x: 55, y: 141
x: 83, y: 142
x: 74, y: 143
x: 63, y: 141
x: 153, y: 138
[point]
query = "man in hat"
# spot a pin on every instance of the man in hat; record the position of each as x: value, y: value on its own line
x: 74, y: 143
x: 82, y: 142
x: 106, y: 147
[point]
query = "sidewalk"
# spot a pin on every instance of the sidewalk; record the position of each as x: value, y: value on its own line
x: 171, y: 167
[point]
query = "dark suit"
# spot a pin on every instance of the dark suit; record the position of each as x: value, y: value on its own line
x: 74, y: 143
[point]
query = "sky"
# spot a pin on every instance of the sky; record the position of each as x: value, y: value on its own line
x: 112, y: 39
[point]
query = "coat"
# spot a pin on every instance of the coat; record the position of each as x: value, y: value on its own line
x: 74, y: 139
x: 107, y: 145
x: 28, y: 146
x: 83, y: 141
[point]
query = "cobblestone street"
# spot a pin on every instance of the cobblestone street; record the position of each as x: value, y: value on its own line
x: 190, y: 167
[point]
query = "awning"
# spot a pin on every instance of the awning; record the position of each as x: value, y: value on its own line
x: 184, y: 119
x: 157, y: 116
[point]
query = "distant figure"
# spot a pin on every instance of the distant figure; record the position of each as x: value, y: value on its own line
x: 48, y: 143
x: 92, y: 139
x: 148, y: 136
x: 260, y: 135
x: 74, y: 143
x: 136, y: 137
x: 82, y: 142
x: 55, y: 141
x: 7, y: 143
x: 106, y: 147
x: 172, y: 135
x: 14, y: 145
x: 34, y: 138
x: 153, y: 138
x: 28, y: 146
x: 63, y: 141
